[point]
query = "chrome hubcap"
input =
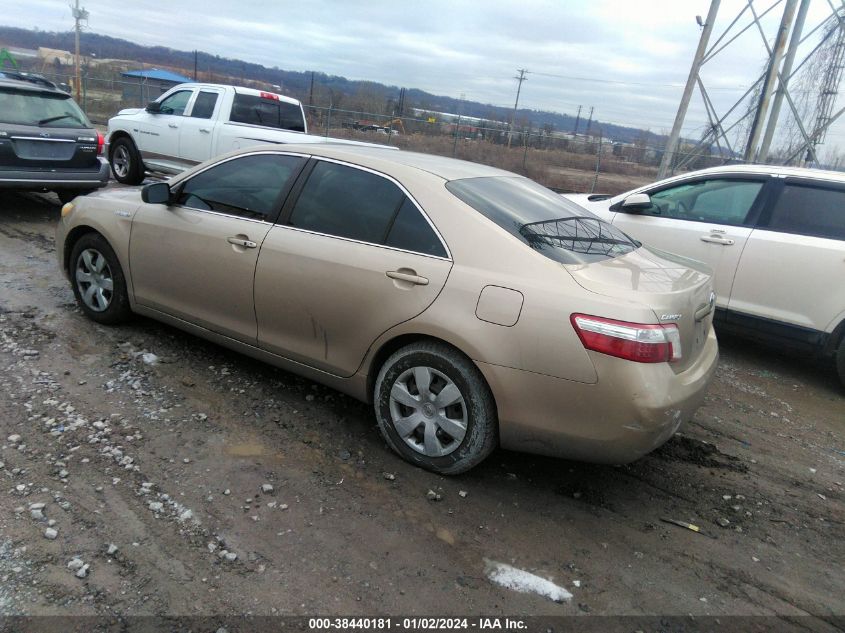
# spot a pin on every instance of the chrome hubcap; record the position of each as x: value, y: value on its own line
x: 94, y: 280
x: 120, y: 161
x: 428, y: 411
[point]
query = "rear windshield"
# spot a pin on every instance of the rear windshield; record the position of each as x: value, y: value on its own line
x: 542, y: 219
x: 43, y: 109
x: 267, y: 112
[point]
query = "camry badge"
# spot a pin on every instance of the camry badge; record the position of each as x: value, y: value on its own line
x: 670, y: 317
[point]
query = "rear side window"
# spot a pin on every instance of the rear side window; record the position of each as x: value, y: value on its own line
x: 248, y: 187
x: 267, y: 112
x: 542, y: 219
x: 356, y: 204
x: 204, y: 105
x: 724, y: 201
x: 808, y: 210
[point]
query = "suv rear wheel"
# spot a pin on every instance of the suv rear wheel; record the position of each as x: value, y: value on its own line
x: 840, y: 361
x: 126, y: 162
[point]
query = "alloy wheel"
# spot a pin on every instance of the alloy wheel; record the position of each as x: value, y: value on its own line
x: 120, y: 161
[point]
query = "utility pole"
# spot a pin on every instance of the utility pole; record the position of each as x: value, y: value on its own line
x: 520, y: 79
x: 769, y: 82
x: 195, y: 64
x: 79, y: 14
x: 577, y: 121
x: 675, y: 135
x: 589, y: 121
x: 311, y: 94
x: 785, y: 72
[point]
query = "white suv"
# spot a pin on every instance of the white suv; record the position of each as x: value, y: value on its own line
x: 775, y: 237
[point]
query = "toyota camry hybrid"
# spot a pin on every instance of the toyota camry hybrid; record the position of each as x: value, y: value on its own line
x: 471, y: 306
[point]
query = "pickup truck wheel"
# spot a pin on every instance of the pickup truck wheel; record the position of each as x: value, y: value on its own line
x: 435, y: 409
x: 126, y: 162
x: 840, y: 361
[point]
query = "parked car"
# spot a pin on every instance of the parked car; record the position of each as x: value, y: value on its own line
x: 471, y: 306
x: 191, y: 123
x: 46, y: 141
x: 775, y: 237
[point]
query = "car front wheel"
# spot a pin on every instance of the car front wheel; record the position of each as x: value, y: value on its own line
x: 126, y: 162
x: 98, y: 281
x: 435, y: 409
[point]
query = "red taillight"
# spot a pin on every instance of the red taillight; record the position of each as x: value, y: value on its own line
x: 638, y: 342
x: 269, y: 95
x: 101, y: 140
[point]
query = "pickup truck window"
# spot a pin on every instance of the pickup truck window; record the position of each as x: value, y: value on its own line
x: 267, y: 112
x: 248, y: 187
x: 204, y: 105
x: 176, y: 103
x: 809, y: 210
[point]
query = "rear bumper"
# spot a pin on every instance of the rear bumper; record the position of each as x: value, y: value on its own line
x: 632, y: 409
x: 56, y: 179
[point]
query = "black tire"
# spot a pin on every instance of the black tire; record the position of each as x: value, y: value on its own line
x: 840, y: 361
x: 133, y: 172
x: 478, y: 405
x: 67, y: 195
x: 116, y: 309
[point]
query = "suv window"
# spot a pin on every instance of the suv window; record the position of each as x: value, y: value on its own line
x: 347, y: 202
x: 723, y: 201
x: 43, y: 109
x: 268, y: 112
x: 176, y: 103
x: 809, y: 210
x: 542, y: 219
x: 249, y: 187
x: 204, y: 105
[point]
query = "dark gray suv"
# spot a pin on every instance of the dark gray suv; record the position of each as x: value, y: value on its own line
x: 46, y: 141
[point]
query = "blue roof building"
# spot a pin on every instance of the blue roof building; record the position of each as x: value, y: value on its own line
x: 158, y: 75
x: 142, y: 86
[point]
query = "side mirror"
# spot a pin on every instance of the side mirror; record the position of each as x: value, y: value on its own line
x: 153, y: 107
x: 156, y: 193
x: 636, y: 202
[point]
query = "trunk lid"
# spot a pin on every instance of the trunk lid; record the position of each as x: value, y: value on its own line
x: 31, y: 149
x: 677, y: 289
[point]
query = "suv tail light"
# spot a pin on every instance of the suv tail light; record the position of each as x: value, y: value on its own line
x: 638, y: 342
x: 101, y: 140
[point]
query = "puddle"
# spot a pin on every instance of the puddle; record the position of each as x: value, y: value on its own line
x: 245, y: 449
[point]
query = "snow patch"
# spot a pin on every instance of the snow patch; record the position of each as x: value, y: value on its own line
x: 524, y: 582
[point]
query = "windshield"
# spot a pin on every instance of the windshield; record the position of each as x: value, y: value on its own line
x: 542, y: 219
x: 44, y: 109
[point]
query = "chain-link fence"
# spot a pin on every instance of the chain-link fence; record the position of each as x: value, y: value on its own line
x: 561, y: 160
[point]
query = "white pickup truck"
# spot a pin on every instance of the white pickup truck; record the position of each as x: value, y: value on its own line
x: 193, y: 122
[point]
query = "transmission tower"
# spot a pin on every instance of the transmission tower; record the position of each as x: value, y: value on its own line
x: 749, y: 127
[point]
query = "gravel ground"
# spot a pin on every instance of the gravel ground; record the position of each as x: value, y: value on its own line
x: 146, y: 472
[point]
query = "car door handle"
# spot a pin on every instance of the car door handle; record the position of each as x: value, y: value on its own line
x: 715, y: 239
x: 410, y: 277
x: 173, y: 125
x: 239, y: 241
x: 204, y: 130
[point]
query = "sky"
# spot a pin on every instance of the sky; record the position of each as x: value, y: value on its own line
x: 627, y: 59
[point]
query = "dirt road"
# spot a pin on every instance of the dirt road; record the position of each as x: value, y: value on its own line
x: 179, y: 478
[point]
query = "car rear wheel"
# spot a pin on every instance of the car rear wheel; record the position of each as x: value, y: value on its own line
x: 435, y: 409
x: 98, y: 281
x: 126, y: 162
x: 840, y: 361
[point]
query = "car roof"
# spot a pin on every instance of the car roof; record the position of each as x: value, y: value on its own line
x: 770, y: 170
x: 30, y: 86
x: 382, y: 158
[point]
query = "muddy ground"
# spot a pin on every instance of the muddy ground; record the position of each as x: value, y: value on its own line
x: 149, y: 448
